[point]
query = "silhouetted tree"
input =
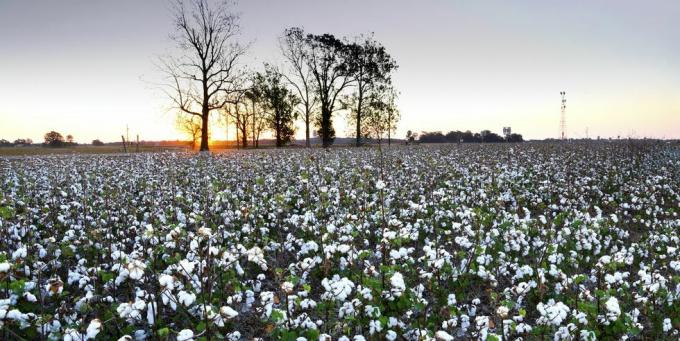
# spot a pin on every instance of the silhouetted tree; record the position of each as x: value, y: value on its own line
x: 237, y: 109
x: 97, y: 142
x: 295, y: 50
x: 432, y: 137
x: 279, y: 103
x: 381, y: 114
x: 23, y: 142
x: 54, y: 139
x: 411, y: 137
x: 515, y: 138
x: 203, y: 78
x: 5, y: 143
x: 468, y: 137
x: 370, y: 67
x: 254, y: 106
x: 190, y: 125
x: 327, y: 60
x: 69, y: 139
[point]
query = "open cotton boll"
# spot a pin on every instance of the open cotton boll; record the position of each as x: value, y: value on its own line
x: 228, y: 313
x: 186, y: 298
x: 94, y: 328
x: 613, y: 309
x: 398, y: 285
x: 136, y: 269
x: 441, y: 335
x: 185, y: 335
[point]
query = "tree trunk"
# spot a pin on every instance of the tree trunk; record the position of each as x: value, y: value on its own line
x: 359, y: 107
x: 204, y: 129
x: 253, y: 124
x: 358, y: 129
x: 325, y: 126
x: 277, y: 125
x: 307, y: 142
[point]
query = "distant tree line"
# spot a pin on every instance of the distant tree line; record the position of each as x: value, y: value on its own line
x: 322, y: 75
x: 485, y: 136
x: 17, y: 142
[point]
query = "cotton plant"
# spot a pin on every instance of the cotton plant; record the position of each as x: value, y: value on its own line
x: 417, y: 242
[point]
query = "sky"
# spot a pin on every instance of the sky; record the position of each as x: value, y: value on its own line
x: 87, y: 67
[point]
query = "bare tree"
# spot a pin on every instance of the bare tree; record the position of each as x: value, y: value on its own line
x: 203, y: 78
x: 191, y: 126
x: 295, y: 50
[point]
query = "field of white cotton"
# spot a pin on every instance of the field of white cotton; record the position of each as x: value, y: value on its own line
x: 447, y: 242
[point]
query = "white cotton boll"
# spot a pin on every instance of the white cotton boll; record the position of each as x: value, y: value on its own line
x: 374, y: 327
x: 185, y: 335
x: 613, y: 309
x: 136, y: 269
x: 441, y: 335
x: 605, y: 260
x: 30, y: 297
x: 502, y: 311
x: 19, y: 253
x: 72, y: 335
x: 337, y: 288
x: 4, y: 267
x: 256, y: 255
x: 379, y: 184
x: 675, y: 265
x: 151, y: 309
x: 186, y: 266
x: 186, y: 298
x: 228, y: 313
x: 166, y: 281
x: 287, y: 287
x: 667, y: 325
x: 398, y: 285
x: 552, y: 313
x: 523, y: 328
x: 94, y: 328
x: 451, y: 300
x: 343, y: 248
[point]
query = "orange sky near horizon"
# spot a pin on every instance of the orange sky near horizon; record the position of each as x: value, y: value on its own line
x: 88, y: 68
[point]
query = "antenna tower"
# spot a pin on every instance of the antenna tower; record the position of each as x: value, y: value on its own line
x: 563, y: 123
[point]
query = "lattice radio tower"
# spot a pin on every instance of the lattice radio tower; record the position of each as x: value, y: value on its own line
x: 563, y: 122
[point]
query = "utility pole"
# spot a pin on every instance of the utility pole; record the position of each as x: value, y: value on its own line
x: 563, y: 123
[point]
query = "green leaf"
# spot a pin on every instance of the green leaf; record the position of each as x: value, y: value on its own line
x: 163, y: 332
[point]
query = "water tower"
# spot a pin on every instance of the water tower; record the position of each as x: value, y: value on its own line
x: 507, y: 132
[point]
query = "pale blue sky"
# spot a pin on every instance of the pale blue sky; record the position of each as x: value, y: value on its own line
x: 83, y: 67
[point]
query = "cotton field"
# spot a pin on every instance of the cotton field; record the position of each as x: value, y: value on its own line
x: 450, y: 242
